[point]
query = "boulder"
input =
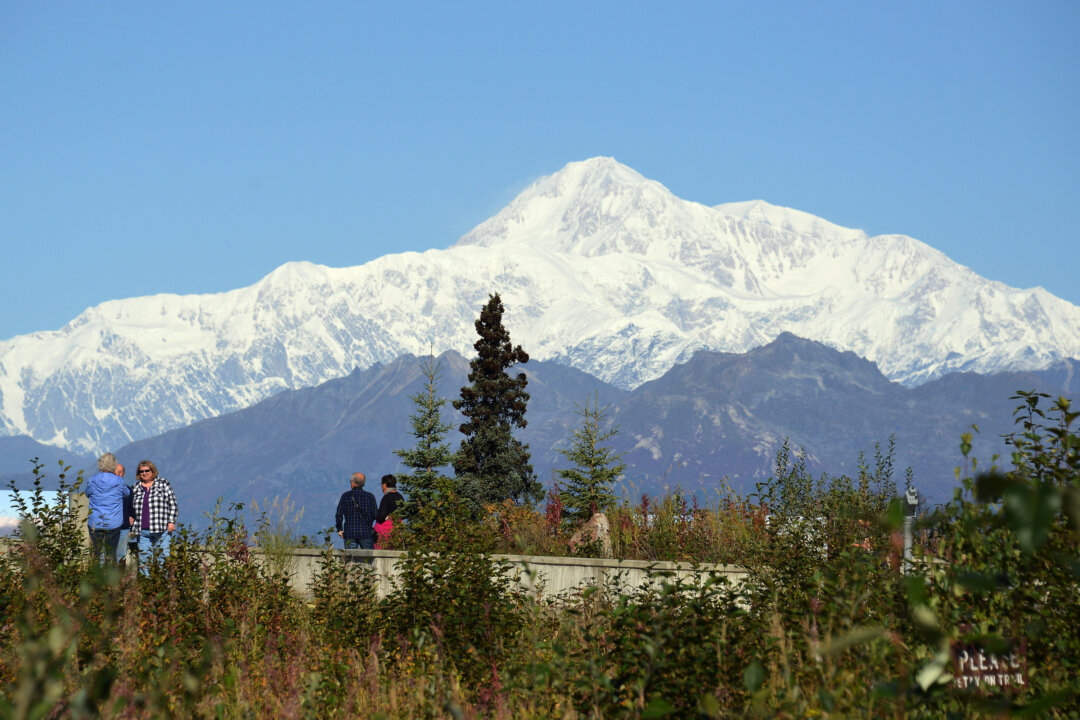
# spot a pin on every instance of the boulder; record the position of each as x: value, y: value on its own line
x: 596, y: 529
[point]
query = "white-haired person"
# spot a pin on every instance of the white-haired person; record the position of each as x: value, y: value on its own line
x: 105, y: 492
x: 154, y: 517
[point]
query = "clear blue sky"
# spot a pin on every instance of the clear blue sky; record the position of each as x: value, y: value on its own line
x: 195, y: 146
x: 9, y: 511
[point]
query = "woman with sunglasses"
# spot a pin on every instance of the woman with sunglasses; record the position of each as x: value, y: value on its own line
x: 155, y: 509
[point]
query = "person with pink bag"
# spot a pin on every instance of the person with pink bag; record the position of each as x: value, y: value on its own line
x: 384, y: 523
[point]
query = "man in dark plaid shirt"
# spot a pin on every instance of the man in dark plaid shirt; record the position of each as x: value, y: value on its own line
x: 355, y: 516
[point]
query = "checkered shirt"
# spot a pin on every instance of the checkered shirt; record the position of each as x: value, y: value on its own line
x: 355, y: 514
x: 162, y: 505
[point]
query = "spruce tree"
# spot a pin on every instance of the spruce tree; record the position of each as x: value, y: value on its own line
x: 425, y: 486
x: 588, y: 484
x: 491, y: 464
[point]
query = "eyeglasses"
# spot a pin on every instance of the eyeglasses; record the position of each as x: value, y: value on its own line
x: 145, y: 470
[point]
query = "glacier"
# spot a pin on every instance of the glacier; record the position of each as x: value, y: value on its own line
x: 599, y: 268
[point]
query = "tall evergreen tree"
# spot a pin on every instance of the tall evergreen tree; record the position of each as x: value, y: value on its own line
x: 491, y: 464
x: 587, y: 487
x: 425, y: 486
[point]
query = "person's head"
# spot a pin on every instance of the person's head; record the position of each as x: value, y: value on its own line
x: 119, y: 472
x: 107, y: 463
x: 357, y: 479
x: 147, y: 471
x: 389, y: 482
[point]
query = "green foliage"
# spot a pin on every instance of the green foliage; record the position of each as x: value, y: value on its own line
x: 730, y: 530
x: 823, y: 624
x: 1012, y: 567
x: 667, y: 648
x: 463, y: 610
x: 424, y: 485
x: 824, y: 593
x: 491, y: 464
x: 54, y: 530
x: 345, y: 610
x: 587, y: 486
x: 812, y: 522
x: 275, y: 533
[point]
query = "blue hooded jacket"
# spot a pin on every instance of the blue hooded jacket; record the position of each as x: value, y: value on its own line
x: 106, y: 493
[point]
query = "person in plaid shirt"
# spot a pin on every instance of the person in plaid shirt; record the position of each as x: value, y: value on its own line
x: 155, y: 509
x: 355, y: 515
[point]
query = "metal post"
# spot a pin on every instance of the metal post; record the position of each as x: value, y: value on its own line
x: 911, y: 504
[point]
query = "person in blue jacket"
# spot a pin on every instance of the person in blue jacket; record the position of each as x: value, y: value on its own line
x: 106, y: 492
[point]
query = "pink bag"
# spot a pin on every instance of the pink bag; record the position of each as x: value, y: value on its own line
x: 382, y: 532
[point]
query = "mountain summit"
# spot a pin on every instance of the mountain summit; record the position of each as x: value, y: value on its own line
x: 600, y: 208
x: 599, y: 268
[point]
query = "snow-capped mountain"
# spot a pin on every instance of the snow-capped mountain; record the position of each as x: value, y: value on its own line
x: 599, y: 268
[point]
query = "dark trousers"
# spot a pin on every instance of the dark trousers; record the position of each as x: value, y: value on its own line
x: 360, y: 543
x: 106, y: 540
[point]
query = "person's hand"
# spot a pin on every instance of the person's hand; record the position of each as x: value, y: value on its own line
x: 341, y: 533
x: 132, y: 521
x: 171, y: 527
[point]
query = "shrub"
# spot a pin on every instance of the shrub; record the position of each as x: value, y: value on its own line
x: 666, y: 648
x: 825, y: 625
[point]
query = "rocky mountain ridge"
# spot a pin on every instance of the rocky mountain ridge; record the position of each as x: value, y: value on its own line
x: 708, y: 425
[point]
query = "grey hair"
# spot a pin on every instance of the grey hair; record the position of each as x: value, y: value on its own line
x: 107, y: 463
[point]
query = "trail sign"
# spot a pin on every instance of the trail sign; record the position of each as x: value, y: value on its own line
x: 976, y: 667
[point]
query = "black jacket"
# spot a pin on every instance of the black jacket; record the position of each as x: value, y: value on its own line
x: 388, y: 505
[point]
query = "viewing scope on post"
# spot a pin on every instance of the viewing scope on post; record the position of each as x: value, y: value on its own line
x: 911, y: 504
